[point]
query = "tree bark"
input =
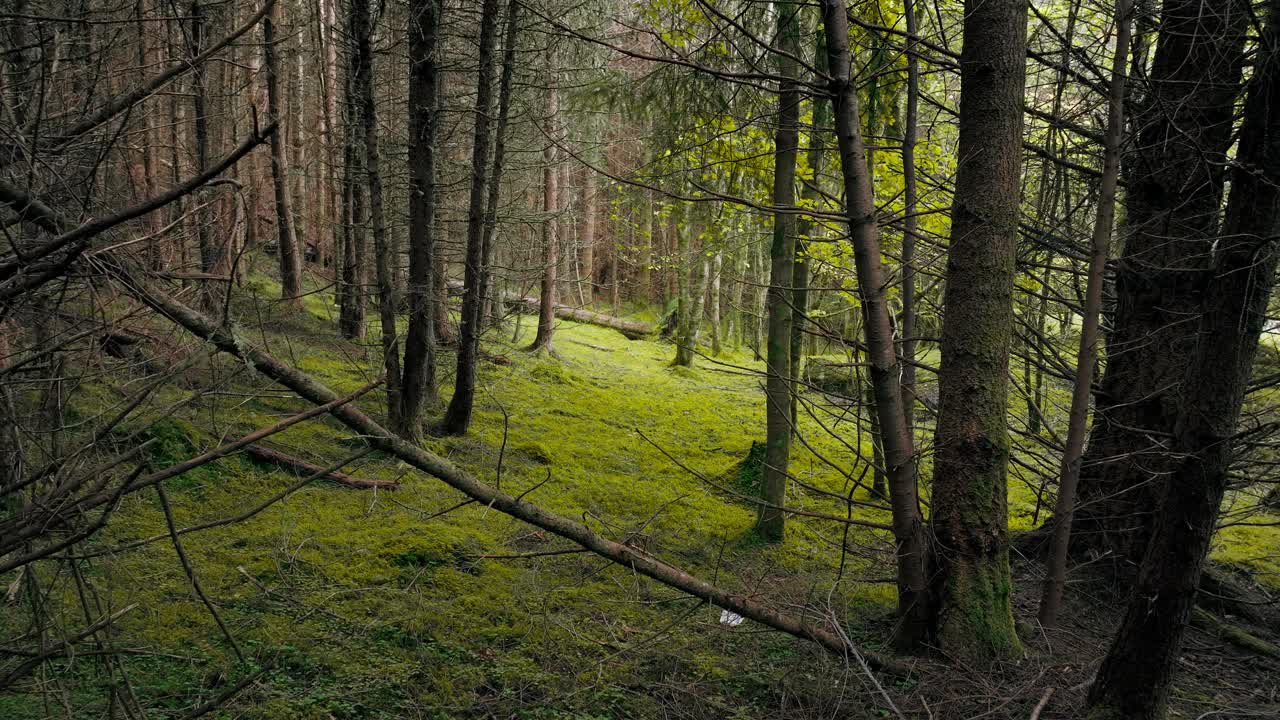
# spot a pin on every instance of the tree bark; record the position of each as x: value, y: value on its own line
x: 419, y: 345
x: 1087, y: 354
x: 362, y: 28
x: 899, y: 453
x: 972, y: 616
x: 782, y: 253
x: 1173, y: 198
x: 1134, y: 679
x: 551, y: 223
x: 489, y: 311
x: 290, y: 258
x: 457, y: 417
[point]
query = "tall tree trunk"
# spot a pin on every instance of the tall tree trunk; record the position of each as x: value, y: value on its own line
x: 351, y: 317
x: 551, y: 223
x: 290, y: 258
x: 419, y: 345
x: 1172, y: 204
x: 1087, y: 354
x: 811, y: 196
x: 457, y: 417
x: 587, y: 241
x: 911, y: 631
x: 362, y: 28
x: 782, y: 255
x: 717, y: 264
x: 970, y: 585
x: 209, y: 260
x: 490, y: 307
x: 910, y: 224
x: 1134, y: 679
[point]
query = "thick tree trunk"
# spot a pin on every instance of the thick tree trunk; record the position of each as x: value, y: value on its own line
x: 1134, y: 679
x: 290, y: 258
x: 899, y: 453
x: 782, y: 254
x: 420, y: 340
x: 1172, y: 203
x: 970, y: 585
x: 1086, y: 356
x: 363, y: 30
x: 457, y: 417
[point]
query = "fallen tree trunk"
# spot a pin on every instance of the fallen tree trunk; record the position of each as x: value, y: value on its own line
x: 288, y: 462
x: 631, y: 329
x: 633, y: 558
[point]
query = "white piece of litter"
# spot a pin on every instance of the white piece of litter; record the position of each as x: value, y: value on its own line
x: 730, y: 618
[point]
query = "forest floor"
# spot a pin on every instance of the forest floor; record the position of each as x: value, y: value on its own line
x: 409, y: 604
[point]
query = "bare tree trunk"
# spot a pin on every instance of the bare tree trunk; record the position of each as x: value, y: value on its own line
x: 717, y: 264
x: 363, y: 30
x: 489, y: 305
x: 209, y: 260
x: 1184, y: 124
x: 1135, y: 677
x: 551, y: 223
x: 970, y: 583
x: 419, y: 347
x: 910, y: 223
x: 1086, y: 356
x: 782, y: 254
x: 457, y: 417
x: 290, y: 259
x: 899, y: 453
x: 587, y: 241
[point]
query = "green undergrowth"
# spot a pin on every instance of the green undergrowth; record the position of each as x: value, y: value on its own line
x: 382, y: 604
x: 413, y: 604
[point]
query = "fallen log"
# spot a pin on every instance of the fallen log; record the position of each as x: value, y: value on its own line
x: 302, y: 467
x: 631, y: 329
x: 625, y: 554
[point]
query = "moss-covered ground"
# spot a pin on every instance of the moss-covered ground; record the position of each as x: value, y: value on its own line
x: 407, y: 605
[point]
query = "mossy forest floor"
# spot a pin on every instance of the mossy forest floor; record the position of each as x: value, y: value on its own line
x: 404, y: 605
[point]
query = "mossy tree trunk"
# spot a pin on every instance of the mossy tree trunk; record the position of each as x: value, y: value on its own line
x: 1134, y: 679
x: 972, y: 617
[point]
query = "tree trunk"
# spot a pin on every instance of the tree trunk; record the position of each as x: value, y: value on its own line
x: 717, y: 264
x: 419, y: 345
x: 363, y: 30
x: 1086, y: 356
x: 550, y: 224
x: 1134, y: 679
x: 457, y: 417
x: 489, y: 310
x: 782, y: 255
x: 970, y: 585
x: 209, y: 260
x: 910, y: 223
x: 290, y: 259
x: 1172, y: 204
x: 882, y: 357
